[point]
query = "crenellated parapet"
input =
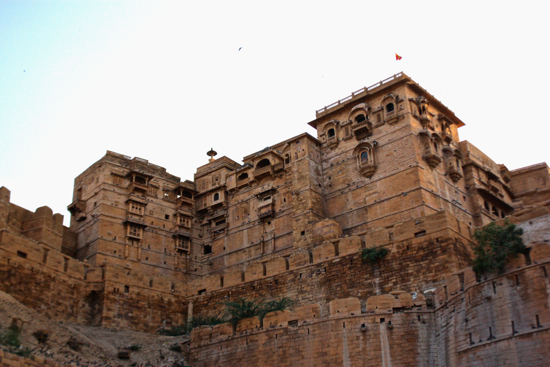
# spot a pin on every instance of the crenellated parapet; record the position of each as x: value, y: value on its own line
x: 316, y: 332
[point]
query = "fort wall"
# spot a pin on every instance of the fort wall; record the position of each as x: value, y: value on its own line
x: 497, y: 321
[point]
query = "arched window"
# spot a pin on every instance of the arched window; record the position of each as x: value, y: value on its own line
x: 364, y: 156
x: 390, y: 107
x: 331, y: 133
x: 242, y: 176
x: 360, y: 118
x: 216, y: 196
x: 263, y: 163
x: 486, y: 204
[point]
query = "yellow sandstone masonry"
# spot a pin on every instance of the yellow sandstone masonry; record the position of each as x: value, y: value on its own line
x: 147, y: 250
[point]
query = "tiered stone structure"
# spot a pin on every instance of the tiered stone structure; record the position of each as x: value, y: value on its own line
x: 146, y: 250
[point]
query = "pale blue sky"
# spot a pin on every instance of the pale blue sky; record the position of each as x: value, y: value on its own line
x: 165, y: 81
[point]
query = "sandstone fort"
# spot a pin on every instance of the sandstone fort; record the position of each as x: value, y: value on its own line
x: 147, y: 249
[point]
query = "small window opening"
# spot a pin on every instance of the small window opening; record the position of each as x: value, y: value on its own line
x: 221, y: 281
x: 360, y: 118
x: 207, y: 249
x: 22, y: 254
x: 331, y: 133
x: 166, y: 216
x: 435, y: 147
x: 420, y: 234
x: 45, y: 256
x: 264, y: 269
x: 263, y: 163
x: 486, y: 204
x: 126, y: 289
x: 202, y: 291
x: 242, y: 176
x: 390, y: 107
x: 216, y: 196
x: 303, y: 233
x: 66, y: 264
x: 382, y: 320
x: 495, y: 211
x: 364, y: 157
x: 220, y: 222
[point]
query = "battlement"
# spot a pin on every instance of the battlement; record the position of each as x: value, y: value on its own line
x: 327, y: 246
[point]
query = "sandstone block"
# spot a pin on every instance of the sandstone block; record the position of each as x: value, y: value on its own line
x: 345, y: 307
x: 323, y: 252
x: 349, y: 245
x: 248, y: 324
x: 276, y: 319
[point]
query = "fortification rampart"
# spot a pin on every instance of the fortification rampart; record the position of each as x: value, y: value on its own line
x: 422, y: 253
x: 66, y: 289
x: 464, y: 322
x: 347, y: 332
x: 8, y: 359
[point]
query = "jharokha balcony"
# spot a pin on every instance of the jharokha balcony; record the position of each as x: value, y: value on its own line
x: 78, y: 209
x: 263, y: 171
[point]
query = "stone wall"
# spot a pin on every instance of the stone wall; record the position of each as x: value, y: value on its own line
x: 498, y: 321
x: 11, y: 360
x: 422, y: 253
x: 69, y: 290
x: 343, y: 336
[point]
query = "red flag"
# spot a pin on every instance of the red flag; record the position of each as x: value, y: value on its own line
x: 397, y: 57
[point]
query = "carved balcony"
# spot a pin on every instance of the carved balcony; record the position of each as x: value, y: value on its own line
x: 263, y: 171
x: 432, y: 159
x: 137, y: 186
x: 184, y: 199
x: 183, y: 247
x: 454, y: 173
x: 362, y: 130
x: 182, y: 233
x: 138, y: 198
x: 332, y: 141
x: 367, y: 169
x: 218, y: 228
x: 78, y: 209
x: 243, y: 182
x: 278, y: 166
x: 266, y: 209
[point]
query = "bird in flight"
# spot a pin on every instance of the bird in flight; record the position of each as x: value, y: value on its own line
x: 240, y: 48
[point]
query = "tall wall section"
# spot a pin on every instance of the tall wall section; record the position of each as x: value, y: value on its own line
x: 422, y: 253
x: 465, y: 321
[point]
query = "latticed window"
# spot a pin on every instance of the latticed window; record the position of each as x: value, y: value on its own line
x: 136, y: 208
x: 134, y: 230
x: 182, y: 242
x: 118, y: 181
x: 152, y: 191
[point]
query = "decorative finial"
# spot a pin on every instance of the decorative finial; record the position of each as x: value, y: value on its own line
x: 211, y: 153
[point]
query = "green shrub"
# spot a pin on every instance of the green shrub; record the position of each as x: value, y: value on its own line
x: 175, y: 330
x: 135, y: 347
x: 243, y: 308
x: 11, y: 337
x: 197, y: 321
x: 374, y: 254
x: 494, y: 245
x: 23, y: 352
x: 176, y: 348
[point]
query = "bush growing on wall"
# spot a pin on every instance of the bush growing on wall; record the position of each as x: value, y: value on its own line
x: 374, y: 254
x: 494, y: 245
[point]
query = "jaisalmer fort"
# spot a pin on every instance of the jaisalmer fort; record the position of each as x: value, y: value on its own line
x: 147, y: 250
